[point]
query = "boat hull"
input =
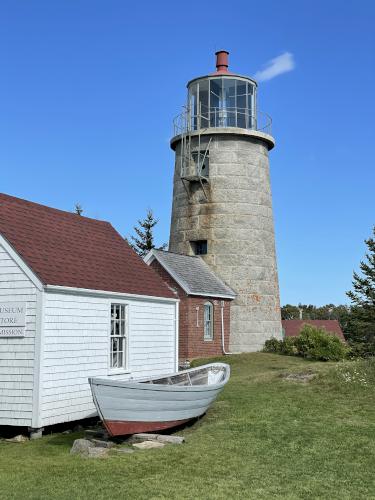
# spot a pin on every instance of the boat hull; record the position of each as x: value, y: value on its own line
x: 128, y: 407
x: 122, y: 428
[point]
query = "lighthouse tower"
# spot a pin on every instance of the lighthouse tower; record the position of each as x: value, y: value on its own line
x: 222, y: 206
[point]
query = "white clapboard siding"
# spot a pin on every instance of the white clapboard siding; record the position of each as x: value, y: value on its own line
x: 76, y: 346
x: 17, y: 354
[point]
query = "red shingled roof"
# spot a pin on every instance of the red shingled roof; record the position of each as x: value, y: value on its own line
x: 292, y: 327
x: 66, y: 249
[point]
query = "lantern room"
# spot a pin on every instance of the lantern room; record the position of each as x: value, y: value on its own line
x: 222, y: 99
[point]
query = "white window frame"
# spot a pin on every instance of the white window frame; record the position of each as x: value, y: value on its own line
x: 208, y: 336
x: 124, y: 334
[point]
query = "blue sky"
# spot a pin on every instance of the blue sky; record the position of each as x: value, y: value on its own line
x: 88, y: 90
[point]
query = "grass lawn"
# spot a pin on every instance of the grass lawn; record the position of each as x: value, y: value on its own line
x: 264, y: 438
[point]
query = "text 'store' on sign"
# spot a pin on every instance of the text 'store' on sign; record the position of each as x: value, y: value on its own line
x: 12, y: 319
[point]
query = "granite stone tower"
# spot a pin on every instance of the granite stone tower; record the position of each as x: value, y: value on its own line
x: 222, y: 206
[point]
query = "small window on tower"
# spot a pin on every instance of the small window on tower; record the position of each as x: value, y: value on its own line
x: 201, y: 160
x: 199, y: 247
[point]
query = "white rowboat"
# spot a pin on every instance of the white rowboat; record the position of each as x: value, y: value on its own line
x: 127, y: 407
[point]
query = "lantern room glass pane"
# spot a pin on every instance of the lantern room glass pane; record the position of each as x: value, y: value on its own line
x: 215, y: 100
x: 229, y: 103
x: 251, y: 106
x: 193, y: 100
x: 242, y: 110
x: 203, y: 103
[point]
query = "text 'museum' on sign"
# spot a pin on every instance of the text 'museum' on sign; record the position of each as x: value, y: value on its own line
x: 12, y: 319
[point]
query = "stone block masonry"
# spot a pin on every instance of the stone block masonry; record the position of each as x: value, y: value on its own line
x: 237, y: 222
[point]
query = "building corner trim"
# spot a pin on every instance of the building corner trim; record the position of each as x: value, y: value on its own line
x: 38, y: 361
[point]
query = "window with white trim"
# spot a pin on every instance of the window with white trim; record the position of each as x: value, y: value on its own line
x: 208, y: 321
x: 119, y: 338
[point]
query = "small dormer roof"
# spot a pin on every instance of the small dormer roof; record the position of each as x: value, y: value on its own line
x: 193, y: 275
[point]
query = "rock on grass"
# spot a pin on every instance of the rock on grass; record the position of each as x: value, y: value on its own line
x: 81, y: 447
x: 18, y: 439
x: 148, y: 445
x: 162, y: 438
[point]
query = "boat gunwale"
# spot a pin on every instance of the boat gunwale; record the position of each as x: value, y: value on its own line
x: 141, y: 384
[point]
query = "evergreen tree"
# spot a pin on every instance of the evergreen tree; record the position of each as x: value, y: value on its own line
x: 143, y: 241
x: 361, y: 326
x: 289, y: 312
x: 78, y: 209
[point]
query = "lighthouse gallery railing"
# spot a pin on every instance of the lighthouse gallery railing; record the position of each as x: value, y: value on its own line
x: 221, y: 118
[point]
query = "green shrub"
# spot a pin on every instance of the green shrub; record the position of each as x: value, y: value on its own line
x: 289, y: 346
x: 317, y: 343
x: 286, y: 346
x: 272, y: 345
x: 313, y: 343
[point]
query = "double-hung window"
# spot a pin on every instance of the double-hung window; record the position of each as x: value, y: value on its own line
x: 118, y: 346
x: 208, y: 321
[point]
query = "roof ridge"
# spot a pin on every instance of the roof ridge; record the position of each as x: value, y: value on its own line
x: 52, y: 209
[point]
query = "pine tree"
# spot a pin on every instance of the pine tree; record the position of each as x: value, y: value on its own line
x: 362, y: 322
x: 143, y: 241
x: 78, y: 209
x: 364, y: 286
x: 289, y: 312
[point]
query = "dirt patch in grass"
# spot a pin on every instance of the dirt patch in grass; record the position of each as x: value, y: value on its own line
x: 303, y: 377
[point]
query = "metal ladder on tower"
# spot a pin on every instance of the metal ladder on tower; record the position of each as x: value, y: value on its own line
x: 191, y: 169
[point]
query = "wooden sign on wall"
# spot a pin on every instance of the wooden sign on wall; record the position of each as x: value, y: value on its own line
x: 12, y: 319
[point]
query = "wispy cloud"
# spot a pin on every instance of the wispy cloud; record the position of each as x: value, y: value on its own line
x: 275, y: 67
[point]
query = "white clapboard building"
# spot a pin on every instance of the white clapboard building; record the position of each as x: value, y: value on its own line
x: 75, y: 302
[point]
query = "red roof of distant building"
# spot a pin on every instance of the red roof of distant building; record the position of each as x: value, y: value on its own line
x: 67, y: 249
x: 292, y: 327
